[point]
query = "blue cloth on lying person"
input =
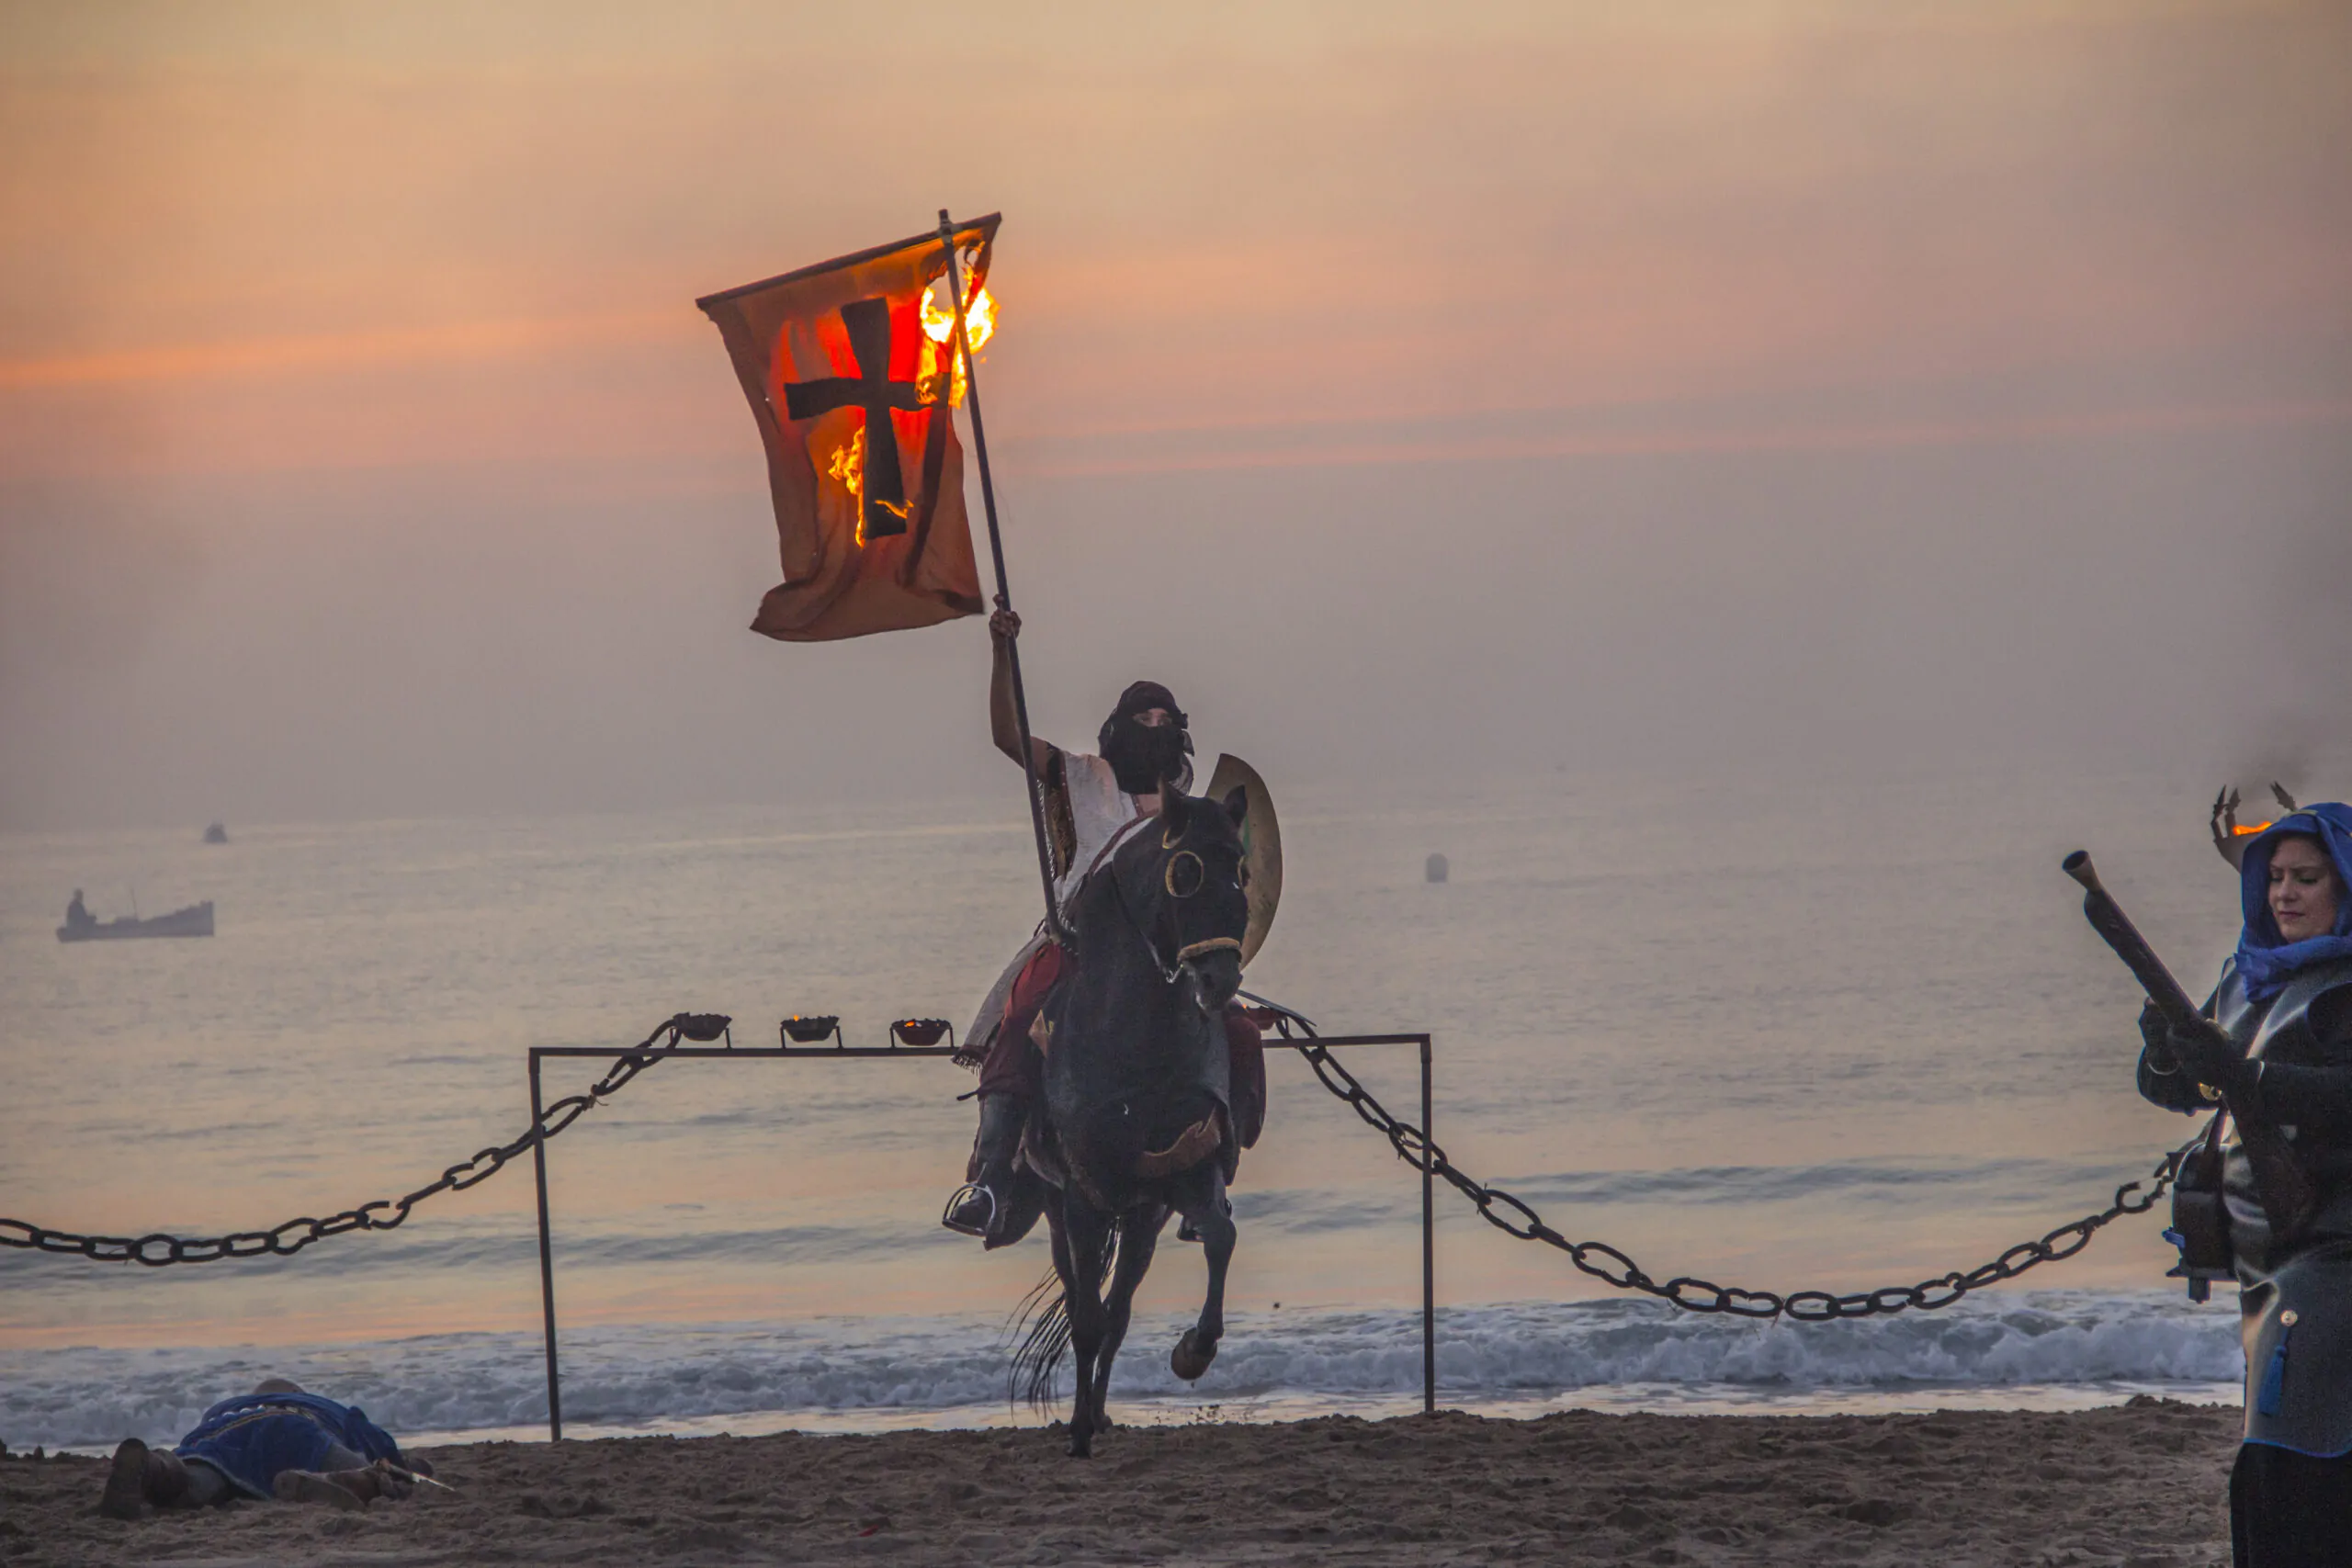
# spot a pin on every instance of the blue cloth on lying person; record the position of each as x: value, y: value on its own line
x: 252, y: 1437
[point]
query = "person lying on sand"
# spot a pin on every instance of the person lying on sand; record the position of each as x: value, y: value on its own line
x: 275, y: 1442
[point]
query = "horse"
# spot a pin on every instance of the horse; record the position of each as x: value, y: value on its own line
x: 1135, y: 1119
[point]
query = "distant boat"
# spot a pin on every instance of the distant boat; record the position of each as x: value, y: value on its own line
x: 216, y: 834
x: 194, y: 921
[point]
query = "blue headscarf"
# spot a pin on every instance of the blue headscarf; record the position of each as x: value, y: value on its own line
x: 2266, y: 961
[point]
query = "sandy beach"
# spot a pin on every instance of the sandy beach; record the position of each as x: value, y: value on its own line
x: 2138, y: 1485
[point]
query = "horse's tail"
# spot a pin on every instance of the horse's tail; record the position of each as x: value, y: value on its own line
x: 1043, y: 1324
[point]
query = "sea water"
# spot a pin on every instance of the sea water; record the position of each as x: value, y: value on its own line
x: 1783, y: 1032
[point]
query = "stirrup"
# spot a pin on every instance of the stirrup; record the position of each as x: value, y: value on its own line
x: 958, y: 1198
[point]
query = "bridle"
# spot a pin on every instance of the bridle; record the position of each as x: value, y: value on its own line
x: 1175, y: 887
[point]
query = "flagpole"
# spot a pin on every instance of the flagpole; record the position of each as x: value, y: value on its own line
x: 1053, y: 922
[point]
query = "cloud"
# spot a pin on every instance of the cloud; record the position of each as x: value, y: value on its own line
x: 332, y: 354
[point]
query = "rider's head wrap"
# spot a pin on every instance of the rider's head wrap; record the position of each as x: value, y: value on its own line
x: 1142, y: 755
x: 2266, y: 961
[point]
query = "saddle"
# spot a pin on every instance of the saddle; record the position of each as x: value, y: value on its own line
x: 1042, y: 1157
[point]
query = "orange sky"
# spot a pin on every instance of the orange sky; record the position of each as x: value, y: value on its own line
x: 267, y: 237
x: 1867, y: 374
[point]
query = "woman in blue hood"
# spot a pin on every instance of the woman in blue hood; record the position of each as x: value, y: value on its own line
x: 2280, y: 1049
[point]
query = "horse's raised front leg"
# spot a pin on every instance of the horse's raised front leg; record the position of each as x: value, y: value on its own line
x: 1090, y: 1234
x: 1138, y: 1238
x: 1200, y: 1198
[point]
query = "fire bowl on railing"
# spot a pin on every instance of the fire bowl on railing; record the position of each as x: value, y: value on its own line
x: 809, y: 1029
x: 921, y: 1030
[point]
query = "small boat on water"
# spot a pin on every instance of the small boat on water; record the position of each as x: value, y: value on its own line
x: 83, y: 926
x: 216, y: 834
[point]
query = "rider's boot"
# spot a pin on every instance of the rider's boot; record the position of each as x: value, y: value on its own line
x: 978, y: 1207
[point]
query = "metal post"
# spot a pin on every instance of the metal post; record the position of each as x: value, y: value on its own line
x: 1429, y: 1246
x: 1004, y: 595
x: 547, y: 1257
x: 895, y: 1051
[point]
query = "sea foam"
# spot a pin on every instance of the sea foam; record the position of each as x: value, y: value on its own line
x: 655, y: 1377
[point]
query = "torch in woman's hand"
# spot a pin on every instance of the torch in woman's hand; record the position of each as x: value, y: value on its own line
x: 2207, y: 1054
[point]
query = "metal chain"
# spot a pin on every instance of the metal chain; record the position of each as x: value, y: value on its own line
x: 384, y: 1213
x: 1614, y: 1267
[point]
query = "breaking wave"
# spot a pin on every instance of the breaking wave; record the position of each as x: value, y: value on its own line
x: 658, y: 1376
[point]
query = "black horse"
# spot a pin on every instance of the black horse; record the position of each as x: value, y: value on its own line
x: 1136, y: 1119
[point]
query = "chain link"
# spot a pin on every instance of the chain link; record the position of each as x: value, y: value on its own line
x: 384, y: 1213
x: 1503, y: 1210
x: 1514, y: 1216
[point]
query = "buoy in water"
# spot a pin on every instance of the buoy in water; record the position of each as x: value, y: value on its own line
x: 1435, y: 868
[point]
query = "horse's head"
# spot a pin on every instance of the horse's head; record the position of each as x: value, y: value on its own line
x: 1188, y: 881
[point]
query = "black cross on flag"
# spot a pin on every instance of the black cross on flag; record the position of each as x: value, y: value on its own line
x: 854, y: 390
x: 884, y: 497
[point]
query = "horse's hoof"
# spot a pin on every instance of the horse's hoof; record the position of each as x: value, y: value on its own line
x: 1190, y: 1359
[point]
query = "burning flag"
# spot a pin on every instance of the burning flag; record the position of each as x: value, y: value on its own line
x: 852, y: 377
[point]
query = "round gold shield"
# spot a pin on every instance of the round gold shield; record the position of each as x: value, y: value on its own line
x: 1262, y: 846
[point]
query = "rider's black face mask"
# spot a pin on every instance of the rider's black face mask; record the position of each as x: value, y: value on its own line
x: 1141, y: 757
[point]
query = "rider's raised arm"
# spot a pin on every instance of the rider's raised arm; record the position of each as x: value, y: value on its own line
x: 1005, y: 722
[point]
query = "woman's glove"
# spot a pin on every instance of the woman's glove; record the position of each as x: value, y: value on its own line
x: 2210, y: 1058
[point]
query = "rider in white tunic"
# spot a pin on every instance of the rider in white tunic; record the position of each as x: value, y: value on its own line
x: 1093, y: 804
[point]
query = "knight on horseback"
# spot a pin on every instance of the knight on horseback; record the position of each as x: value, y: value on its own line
x: 1093, y: 804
